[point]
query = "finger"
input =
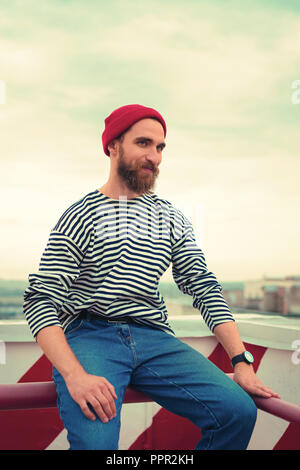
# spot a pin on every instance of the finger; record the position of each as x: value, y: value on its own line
x: 107, y: 403
x: 271, y: 393
x: 254, y: 388
x: 86, y: 410
x: 111, y: 388
x: 112, y: 391
x: 265, y: 392
x: 108, y: 391
x: 99, y: 409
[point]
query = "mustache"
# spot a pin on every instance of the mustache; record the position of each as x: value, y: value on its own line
x: 149, y: 166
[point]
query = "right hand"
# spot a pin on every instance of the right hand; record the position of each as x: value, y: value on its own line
x: 97, y: 391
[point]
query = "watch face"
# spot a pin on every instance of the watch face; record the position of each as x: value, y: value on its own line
x: 248, y: 357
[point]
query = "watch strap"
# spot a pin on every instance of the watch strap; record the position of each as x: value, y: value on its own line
x: 243, y: 357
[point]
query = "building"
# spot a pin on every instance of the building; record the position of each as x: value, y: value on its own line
x: 233, y: 293
x: 280, y: 295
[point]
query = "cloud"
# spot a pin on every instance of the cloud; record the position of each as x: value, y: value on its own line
x: 221, y: 76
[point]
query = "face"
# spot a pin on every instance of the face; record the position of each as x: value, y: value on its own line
x: 140, y: 155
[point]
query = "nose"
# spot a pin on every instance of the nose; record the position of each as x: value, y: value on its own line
x: 153, y: 156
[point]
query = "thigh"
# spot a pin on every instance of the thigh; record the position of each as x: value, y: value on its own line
x: 82, y: 433
x: 100, y: 352
x: 183, y: 381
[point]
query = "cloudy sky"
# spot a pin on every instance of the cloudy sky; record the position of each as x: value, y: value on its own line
x: 222, y: 75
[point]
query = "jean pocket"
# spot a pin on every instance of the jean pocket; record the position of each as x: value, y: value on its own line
x: 74, y: 325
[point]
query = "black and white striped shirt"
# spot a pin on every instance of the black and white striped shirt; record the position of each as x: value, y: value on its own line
x: 107, y: 256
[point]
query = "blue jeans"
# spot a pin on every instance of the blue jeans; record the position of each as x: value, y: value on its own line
x: 172, y: 373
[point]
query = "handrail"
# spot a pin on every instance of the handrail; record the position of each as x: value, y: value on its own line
x: 40, y: 395
x: 32, y: 395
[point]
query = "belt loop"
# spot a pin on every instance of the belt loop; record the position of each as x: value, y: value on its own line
x: 86, y: 314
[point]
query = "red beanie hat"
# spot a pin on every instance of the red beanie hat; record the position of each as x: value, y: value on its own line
x: 122, y: 118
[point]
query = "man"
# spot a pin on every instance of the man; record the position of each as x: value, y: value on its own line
x: 95, y: 310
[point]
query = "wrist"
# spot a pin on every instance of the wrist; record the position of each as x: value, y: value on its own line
x: 242, y: 366
x: 243, y: 358
x: 73, y: 373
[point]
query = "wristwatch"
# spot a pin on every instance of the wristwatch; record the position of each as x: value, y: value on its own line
x: 246, y: 356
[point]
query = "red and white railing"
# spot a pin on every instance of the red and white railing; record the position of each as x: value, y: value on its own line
x: 40, y: 395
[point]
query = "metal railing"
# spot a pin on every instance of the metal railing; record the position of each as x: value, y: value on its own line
x: 33, y: 395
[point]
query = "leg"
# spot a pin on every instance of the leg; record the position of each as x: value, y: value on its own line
x: 98, y: 348
x: 186, y: 383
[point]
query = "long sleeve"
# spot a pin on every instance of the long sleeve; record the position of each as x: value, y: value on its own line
x: 48, y: 288
x: 59, y: 267
x: 192, y: 276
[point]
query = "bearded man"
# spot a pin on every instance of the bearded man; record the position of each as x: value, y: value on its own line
x: 95, y: 309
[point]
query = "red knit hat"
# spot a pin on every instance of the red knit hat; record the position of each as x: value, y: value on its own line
x: 122, y: 118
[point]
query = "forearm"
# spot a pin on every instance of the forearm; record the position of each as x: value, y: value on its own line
x: 228, y: 335
x: 53, y: 342
x: 83, y: 387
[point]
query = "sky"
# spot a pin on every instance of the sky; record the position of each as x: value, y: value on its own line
x: 225, y: 75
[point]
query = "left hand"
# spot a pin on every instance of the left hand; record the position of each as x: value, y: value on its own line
x: 245, y: 376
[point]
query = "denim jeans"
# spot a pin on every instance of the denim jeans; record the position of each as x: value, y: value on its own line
x: 172, y: 373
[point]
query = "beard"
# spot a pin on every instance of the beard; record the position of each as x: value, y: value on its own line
x: 134, y: 177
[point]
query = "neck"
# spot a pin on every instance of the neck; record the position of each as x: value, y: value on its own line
x: 115, y: 191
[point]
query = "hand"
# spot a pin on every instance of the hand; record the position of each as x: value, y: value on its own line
x: 245, y: 376
x: 97, y: 391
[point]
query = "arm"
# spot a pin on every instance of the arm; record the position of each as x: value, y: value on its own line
x: 46, y: 295
x: 59, y: 267
x: 192, y: 277
x: 227, y: 334
x: 84, y: 388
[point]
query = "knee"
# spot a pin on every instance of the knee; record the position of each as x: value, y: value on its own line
x: 238, y: 408
x: 246, y: 411
x: 241, y: 422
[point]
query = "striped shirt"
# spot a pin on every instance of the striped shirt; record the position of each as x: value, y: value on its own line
x: 107, y: 256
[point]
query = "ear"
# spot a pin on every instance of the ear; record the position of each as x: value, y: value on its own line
x: 113, y: 146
